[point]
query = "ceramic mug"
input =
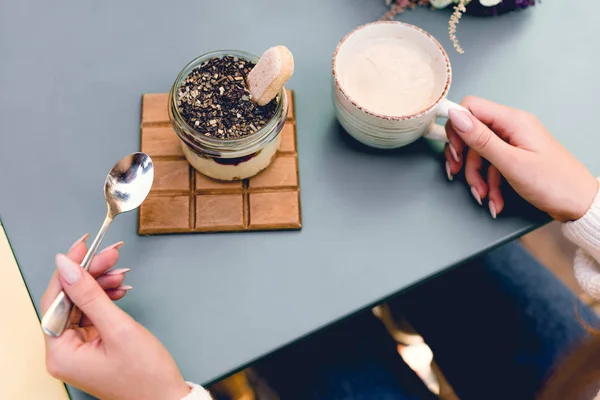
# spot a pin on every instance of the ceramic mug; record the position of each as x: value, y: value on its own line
x: 391, y: 131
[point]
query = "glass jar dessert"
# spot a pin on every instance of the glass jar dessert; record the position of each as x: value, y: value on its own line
x: 217, y: 140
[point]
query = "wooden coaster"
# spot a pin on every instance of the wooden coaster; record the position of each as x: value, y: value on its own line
x: 183, y: 200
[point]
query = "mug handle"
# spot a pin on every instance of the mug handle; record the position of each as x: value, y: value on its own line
x: 437, y: 131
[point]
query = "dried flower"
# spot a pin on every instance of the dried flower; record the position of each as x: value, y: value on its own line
x: 399, y: 6
x: 454, y: 19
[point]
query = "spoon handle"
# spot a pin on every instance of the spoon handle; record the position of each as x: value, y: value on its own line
x: 55, y: 320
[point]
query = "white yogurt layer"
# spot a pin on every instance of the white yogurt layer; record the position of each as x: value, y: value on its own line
x: 246, y: 169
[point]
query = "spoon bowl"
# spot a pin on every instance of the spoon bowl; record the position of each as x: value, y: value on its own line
x: 128, y: 183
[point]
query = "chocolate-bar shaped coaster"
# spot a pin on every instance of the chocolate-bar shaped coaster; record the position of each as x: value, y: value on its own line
x: 184, y: 201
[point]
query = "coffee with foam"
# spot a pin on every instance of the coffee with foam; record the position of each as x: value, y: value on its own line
x: 392, y: 77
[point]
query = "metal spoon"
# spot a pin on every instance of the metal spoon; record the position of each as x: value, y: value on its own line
x: 125, y: 188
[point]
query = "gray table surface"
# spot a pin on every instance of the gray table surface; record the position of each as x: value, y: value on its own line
x: 71, y: 78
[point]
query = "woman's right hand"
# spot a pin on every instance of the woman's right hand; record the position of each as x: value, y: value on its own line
x: 520, y: 150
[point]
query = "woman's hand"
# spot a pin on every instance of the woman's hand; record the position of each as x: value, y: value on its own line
x: 523, y: 152
x: 108, y: 354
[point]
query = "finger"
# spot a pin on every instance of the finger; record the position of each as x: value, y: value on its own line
x: 455, y: 143
x: 105, y: 260
x: 87, y: 294
x: 505, y: 121
x: 119, y: 292
x: 76, y: 253
x: 473, y: 176
x: 114, y: 295
x: 480, y: 138
x: 495, y: 199
x: 100, y: 263
x: 452, y: 167
x: 110, y: 281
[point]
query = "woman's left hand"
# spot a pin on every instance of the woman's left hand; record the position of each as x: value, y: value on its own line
x: 107, y: 353
x: 111, y: 281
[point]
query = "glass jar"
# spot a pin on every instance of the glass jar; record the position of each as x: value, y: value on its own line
x: 227, y: 159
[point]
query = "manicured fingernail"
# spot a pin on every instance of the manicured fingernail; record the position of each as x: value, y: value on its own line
x: 125, y: 287
x: 448, y: 173
x: 453, y: 152
x: 113, y: 246
x: 475, y: 194
x: 117, y: 271
x: 68, y: 270
x: 80, y: 240
x: 460, y: 120
x: 492, y: 209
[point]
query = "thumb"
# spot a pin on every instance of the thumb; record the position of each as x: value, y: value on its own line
x: 480, y: 138
x: 87, y: 295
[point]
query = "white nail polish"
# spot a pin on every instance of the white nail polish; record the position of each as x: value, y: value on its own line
x: 117, y: 271
x: 68, y: 270
x: 125, y: 287
x: 113, y: 246
x: 475, y: 194
x: 80, y: 240
x: 492, y: 209
x: 448, y: 173
x: 453, y: 152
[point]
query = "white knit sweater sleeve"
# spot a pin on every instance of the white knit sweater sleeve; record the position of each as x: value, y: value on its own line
x: 585, y: 232
x: 197, y: 393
